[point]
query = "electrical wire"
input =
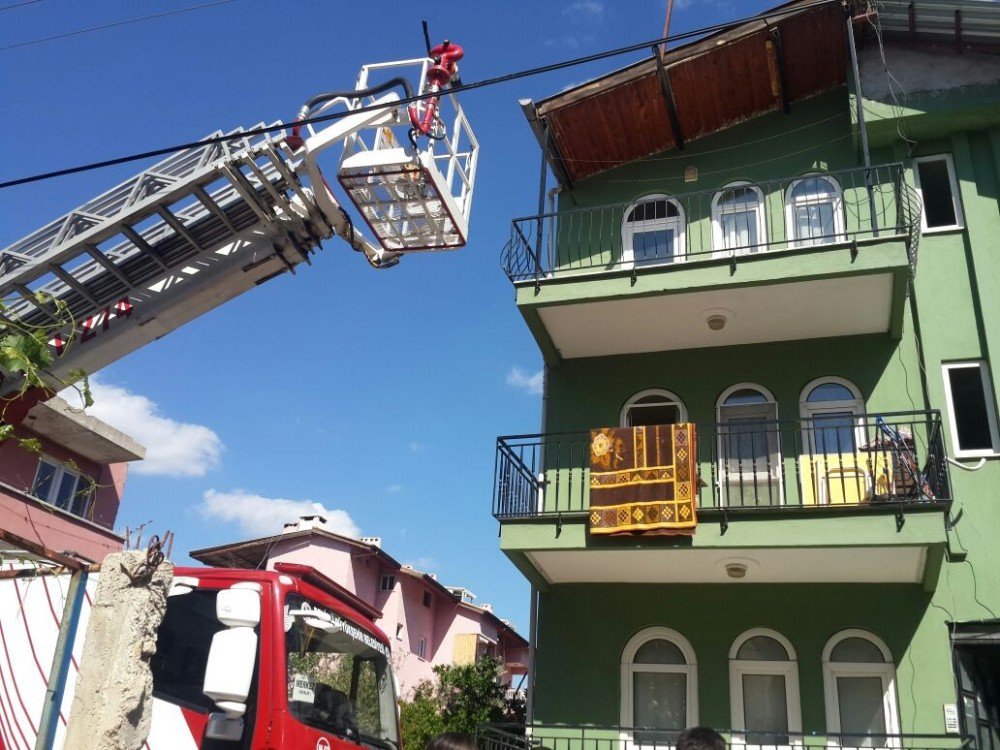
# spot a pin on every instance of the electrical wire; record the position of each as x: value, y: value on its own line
x: 12, y: 6
x: 127, y: 21
x: 494, y: 81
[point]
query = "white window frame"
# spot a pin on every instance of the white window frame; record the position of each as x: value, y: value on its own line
x: 991, y: 412
x: 690, y: 669
x: 387, y: 582
x: 422, y: 648
x: 791, y: 203
x: 61, y: 469
x: 956, y: 196
x: 809, y: 410
x: 667, y: 395
x: 885, y: 671
x: 718, y: 236
x: 788, y: 669
x: 649, y: 225
x: 751, y: 477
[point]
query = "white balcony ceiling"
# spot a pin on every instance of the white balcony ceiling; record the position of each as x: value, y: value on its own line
x: 841, y: 306
x: 895, y: 564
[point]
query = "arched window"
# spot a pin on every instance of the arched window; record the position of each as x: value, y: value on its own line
x: 659, y: 685
x: 653, y: 231
x: 814, y: 211
x: 749, y: 451
x: 764, y: 688
x: 653, y: 406
x: 738, y: 219
x: 831, y: 409
x: 860, y: 685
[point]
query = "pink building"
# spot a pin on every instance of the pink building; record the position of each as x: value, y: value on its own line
x: 64, y: 498
x: 429, y: 623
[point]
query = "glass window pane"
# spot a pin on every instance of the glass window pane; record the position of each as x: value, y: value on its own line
x: 745, y: 396
x: 935, y: 189
x: 861, y: 710
x: 656, y: 244
x: 765, y: 708
x: 814, y: 220
x: 659, y: 700
x: 813, y: 188
x: 43, y: 481
x: 64, y: 495
x: 830, y: 392
x: 659, y: 651
x: 857, y: 650
x: 652, y: 415
x: 182, y: 647
x: 971, y: 414
x: 833, y: 432
x: 762, y: 648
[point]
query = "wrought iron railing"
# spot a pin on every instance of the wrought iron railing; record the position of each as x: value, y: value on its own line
x: 849, y: 206
x: 827, y: 461
x: 591, y: 737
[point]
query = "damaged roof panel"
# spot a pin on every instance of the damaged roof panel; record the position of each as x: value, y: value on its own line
x: 714, y: 83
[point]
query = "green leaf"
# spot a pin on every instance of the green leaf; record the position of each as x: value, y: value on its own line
x: 34, y: 445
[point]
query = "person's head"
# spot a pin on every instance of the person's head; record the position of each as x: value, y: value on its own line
x: 700, y: 738
x: 452, y: 741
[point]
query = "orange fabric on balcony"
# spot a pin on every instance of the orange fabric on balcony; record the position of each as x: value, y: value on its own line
x: 643, y: 480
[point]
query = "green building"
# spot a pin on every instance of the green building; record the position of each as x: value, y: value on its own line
x: 787, y: 234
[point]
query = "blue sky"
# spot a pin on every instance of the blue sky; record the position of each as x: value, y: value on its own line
x: 377, y: 394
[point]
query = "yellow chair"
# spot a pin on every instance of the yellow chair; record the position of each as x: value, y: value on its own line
x: 844, y: 478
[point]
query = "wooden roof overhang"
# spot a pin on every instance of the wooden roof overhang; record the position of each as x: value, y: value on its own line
x: 793, y: 52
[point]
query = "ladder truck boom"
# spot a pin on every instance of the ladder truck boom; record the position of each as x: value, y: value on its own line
x: 210, y: 222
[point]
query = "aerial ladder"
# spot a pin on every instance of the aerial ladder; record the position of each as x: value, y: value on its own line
x: 210, y: 222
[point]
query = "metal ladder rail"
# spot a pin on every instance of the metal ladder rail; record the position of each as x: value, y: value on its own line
x: 251, y: 193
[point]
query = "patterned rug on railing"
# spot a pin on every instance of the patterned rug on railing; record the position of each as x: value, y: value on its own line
x: 643, y: 480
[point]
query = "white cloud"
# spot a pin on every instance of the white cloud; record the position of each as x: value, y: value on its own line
x: 415, y: 446
x: 394, y: 489
x: 178, y: 449
x: 584, y: 9
x: 263, y: 516
x: 530, y: 383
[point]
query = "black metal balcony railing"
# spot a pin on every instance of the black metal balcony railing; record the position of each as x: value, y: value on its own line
x: 847, y: 206
x: 829, y: 461
x: 575, y: 737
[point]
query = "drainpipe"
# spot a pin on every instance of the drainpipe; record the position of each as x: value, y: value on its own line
x: 61, y: 661
x: 529, y: 705
x: 861, y: 122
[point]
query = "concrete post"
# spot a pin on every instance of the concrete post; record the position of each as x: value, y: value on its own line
x: 112, y: 706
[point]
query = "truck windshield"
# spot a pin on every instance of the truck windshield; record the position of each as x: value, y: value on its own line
x: 182, y: 646
x: 339, y: 679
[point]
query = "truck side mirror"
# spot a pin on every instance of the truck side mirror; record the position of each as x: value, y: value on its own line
x: 231, y: 658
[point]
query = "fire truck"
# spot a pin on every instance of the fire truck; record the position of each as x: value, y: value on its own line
x: 244, y: 659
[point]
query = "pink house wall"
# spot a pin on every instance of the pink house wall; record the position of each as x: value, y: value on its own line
x: 50, y: 527
x: 405, y: 619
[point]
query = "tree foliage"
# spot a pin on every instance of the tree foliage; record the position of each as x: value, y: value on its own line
x: 463, y: 697
x: 25, y: 357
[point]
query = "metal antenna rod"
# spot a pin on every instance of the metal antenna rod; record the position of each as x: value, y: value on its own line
x: 427, y: 36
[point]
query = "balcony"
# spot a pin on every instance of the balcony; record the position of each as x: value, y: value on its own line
x: 724, y: 266
x: 537, y: 736
x: 809, y: 500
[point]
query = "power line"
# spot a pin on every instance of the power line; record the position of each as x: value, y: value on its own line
x: 78, y: 32
x: 19, y: 5
x: 496, y: 80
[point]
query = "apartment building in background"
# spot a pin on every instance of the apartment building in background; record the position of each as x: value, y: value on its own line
x: 766, y: 291
x: 428, y: 623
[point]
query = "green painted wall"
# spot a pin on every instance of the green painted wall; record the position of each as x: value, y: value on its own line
x: 583, y: 629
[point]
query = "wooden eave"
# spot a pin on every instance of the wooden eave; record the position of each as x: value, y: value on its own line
x: 724, y: 79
